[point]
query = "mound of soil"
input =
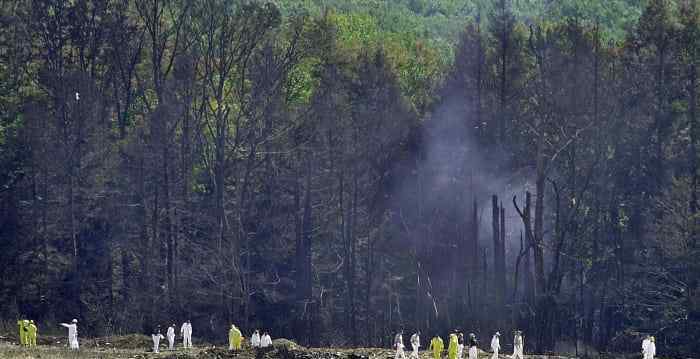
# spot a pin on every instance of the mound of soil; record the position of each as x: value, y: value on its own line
x: 286, y: 344
x: 131, y: 341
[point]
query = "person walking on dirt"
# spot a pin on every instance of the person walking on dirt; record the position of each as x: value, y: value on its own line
x: 473, y: 345
x: 265, y: 340
x: 518, y: 344
x: 651, y: 348
x: 23, y: 326
x: 170, y: 334
x: 645, y: 347
x: 460, y: 345
x: 255, y: 339
x: 234, y: 338
x: 415, y: 344
x: 186, y: 332
x: 437, y: 346
x: 32, y: 333
x: 398, y: 345
x: 452, y: 347
x: 156, y: 340
x: 72, y: 334
x: 496, y: 345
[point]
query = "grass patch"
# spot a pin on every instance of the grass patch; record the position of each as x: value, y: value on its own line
x: 10, y: 351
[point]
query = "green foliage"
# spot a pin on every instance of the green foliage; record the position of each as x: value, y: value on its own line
x: 356, y: 30
x: 445, y: 19
x: 302, y: 81
x: 419, y: 35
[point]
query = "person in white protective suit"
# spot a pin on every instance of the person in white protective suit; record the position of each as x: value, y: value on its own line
x: 72, y: 334
x: 518, y: 344
x: 496, y: 345
x: 415, y: 344
x: 156, y: 340
x: 170, y: 334
x: 460, y: 344
x: 186, y: 332
x: 398, y: 344
x: 645, y: 345
x: 265, y: 340
x: 651, y: 349
x: 255, y: 339
x: 473, y: 346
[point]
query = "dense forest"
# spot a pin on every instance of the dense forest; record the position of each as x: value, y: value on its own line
x: 335, y: 171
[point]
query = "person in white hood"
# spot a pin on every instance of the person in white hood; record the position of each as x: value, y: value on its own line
x: 646, y: 344
x: 265, y: 340
x: 518, y: 345
x: 156, y: 340
x: 72, y: 334
x: 415, y: 344
x: 255, y: 339
x: 651, y: 348
x: 398, y: 345
x: 186, y: 332
x: 171, y: 337
x: 496, y: 345
x: 473, y: 346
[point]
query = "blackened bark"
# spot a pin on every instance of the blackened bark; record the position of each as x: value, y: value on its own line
x: 529, y: 281
x: 500, y: 264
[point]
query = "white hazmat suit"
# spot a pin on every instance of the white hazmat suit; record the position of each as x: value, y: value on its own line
x: 518, y: 344
x: 495, y: 345
x: 156, y: 341
x: 265, y: 341
x: 645, y: 345
x: 649, y: 348
x: 171, y: 337
x: 415, y: 344
x: 473, y: 347
x: 72, y: 334
x: 255, y: 339
x: 398, y: 344
x: 186, y: 332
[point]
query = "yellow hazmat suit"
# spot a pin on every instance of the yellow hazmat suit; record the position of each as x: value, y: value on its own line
x: 25, y: 328
x: 234, y: 338
x: 452, y: 348
x: 437, y: 346
x: 22, y: 335
x: 32, y: 334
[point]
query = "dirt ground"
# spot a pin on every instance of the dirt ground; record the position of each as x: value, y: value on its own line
x: 140, y: 347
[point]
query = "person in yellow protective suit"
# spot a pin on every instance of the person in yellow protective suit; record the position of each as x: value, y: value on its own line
x: 32, y: 333
x: 437, y: 346
x: 22, y: 335
x: 25, y: 328
x: 234, y: 338
x: 452, y: 348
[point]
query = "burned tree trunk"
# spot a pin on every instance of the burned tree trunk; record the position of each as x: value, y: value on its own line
x: 303, y: 258
x: 496, y: 221
x: 538, y: 237
x: 473, y: 260
x: 500, y: 263
x: 527, y: 220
